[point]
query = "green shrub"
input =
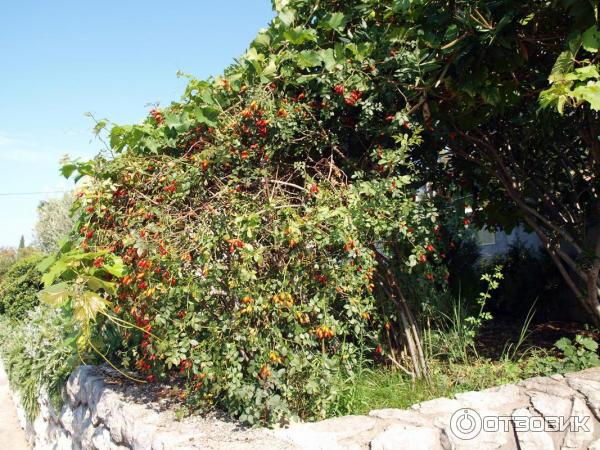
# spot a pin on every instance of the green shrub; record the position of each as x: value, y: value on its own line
x: 39, y: 354
x: 19, y: 288
x: 577, y: 354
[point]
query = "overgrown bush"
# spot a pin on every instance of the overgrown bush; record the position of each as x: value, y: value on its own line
x: 20, y: 286
x: 271, y: 226
x: 263, y: 298
x: 38, y: 354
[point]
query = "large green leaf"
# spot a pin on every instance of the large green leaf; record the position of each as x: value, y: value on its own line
x: 96, y: 284
x: 87, y: 306
x: 591, y: 39
x: 55, y: 295
x: 584, y: 73
x: 564, y: 64
x: 117, y: 268
x: 45, y: 263
x: 589, y: 93
x: 300, y: 35
x: 55, y: 271
x: 287, y: 16
x: 328, y: 57
x: 263, y: 39
x: 333, y: 21
x: 309, y: 58
x: 207, y: 115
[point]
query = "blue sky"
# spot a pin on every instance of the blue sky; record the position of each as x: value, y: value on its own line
x: 61, y: 59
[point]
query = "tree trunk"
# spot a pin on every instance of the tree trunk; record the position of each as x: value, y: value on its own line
x: 409, y: 337
x: 583, y: 282
x: 581, y: 269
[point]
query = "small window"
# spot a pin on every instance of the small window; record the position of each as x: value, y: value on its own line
x: 485, y: 237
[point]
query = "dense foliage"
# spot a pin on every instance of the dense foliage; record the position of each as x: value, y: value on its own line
x: 503, y: 73
x: 268, y: 223
x: 19, y: 288
x: 278, y: 224
x: 38, y: 354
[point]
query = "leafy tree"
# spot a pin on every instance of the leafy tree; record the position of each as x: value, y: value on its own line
x: 484, y: 66
x: 54, y: 222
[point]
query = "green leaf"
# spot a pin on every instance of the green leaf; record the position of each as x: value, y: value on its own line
x: 591, y: 39
x: 87, y: 305
x: 584, y: 73
x: 253, y: 55
x: 334, y: 21
x: 172, y: 120
x: 117, y: 268
x: 589, y: 344
x: 118, y: 136
x: 55, y: 295
x: 263, y: 39
x: 269, y: 71
x: 527, y: 19
x: 328, y: 57
x: 287, y: 16
x: 207, y: 115
x: 401, y: 5
x: 45, y: 263
x: 56, y: 270
x: 96, y: 284
x: 67, y: 170
x: 562, y: 343
x: 309, y: 58
x: 300, y: 35
x: 563, y: 65
x: 101, y: 125
x: 589, y: 93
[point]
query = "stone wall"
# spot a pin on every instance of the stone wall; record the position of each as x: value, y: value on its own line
x: 103, y: 413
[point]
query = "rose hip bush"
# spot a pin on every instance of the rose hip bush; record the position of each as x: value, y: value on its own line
x: 265, y: 225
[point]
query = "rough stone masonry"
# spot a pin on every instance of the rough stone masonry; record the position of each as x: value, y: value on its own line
x: 557, y: 412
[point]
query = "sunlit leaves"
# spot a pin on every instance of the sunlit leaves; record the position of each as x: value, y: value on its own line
x: 309, y: 58
x: 299, y: 35
x: 590, y: 93
x: 87, y: 306
x: 576, y: 87
x: 56, y: 295
x: 563, y: 65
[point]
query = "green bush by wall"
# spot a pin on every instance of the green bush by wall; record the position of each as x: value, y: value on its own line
x: 19, y: 288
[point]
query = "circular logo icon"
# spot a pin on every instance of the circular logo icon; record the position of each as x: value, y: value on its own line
x: 465, y: 424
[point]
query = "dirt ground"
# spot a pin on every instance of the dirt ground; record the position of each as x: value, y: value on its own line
x: 11, y: 435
